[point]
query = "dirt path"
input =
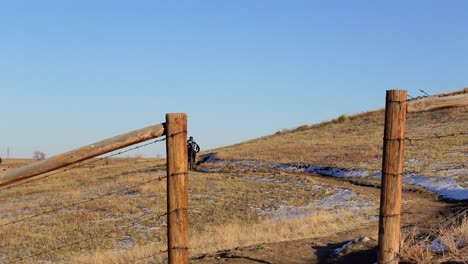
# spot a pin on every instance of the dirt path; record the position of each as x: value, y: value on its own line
x: 420, y: 209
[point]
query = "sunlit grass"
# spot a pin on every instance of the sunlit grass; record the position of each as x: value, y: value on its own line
x: 114, y: 223
x: 436, y: 143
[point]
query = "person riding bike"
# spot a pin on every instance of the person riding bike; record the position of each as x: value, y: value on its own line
x: 193, y: 149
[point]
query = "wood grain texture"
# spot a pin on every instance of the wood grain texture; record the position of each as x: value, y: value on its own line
x: 438, y: 102
x: 80, y: 154
x: 392, y: 174
x: 177, y: 188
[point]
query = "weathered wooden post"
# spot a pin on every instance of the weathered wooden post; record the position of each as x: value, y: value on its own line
x: 177, y: 188
x: 80, y: 154
x: 392, y: 174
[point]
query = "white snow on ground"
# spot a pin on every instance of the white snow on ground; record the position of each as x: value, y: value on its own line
x: 262, y: 179
x: 443, y: 186
x: 439, y: 245
x: 337, y: 172
x: 454, y: 172
x: 324, y: 170
x: 341, y: 199
x: 286, y: 212
x: 210, y: 157
x: 343, y: 248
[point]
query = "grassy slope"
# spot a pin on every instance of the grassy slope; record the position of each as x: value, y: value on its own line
x: 357, y: 142
x: 223, y: 206
x: 224, y: 212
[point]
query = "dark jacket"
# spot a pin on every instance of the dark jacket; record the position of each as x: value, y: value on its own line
x: 192, y: 145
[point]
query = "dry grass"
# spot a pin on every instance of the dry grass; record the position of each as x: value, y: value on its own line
x: 436, y: 144
x: 354, y: 142
x: 227, y: 209
x: 235, y: 234
x: 97, y: 225
x: 454, y: 239
x: 121, y: 227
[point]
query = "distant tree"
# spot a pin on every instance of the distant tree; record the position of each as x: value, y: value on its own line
x: 39, y: 155
x: 0, y: 160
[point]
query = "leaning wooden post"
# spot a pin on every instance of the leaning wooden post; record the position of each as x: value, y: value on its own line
x: 177, y: 188
x: 392, y: 174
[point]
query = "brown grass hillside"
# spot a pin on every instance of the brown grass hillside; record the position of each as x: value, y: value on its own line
x: 113, y: 210
x: 435, y: 146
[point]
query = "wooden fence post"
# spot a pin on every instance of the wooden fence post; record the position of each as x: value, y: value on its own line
x: 177, y: 188
x: 392, y: 174
x: 80, y: 154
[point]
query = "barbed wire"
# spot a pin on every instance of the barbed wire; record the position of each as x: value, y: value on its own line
x: 436, y: 136
x: 150, y: 256
x: 83, y: 202
x: 453, y: 217
x: 82, y: 164
x: 435, y: 231
x: 57, y: 260
x: 425, y: 94
x: 105, y: 235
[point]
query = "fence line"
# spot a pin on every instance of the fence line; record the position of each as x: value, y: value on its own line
x: 82, y: 164
x: 177, y: 189
x: 106, y: 235
x: 392, y: 164
x: 392, y: 172
x: 436, y: 136
x: 82, y: 202
x: 83, y: 153
x: 175, y: 130
x: 160, y: 252
x: 438, y: 102
x: 97, y: 197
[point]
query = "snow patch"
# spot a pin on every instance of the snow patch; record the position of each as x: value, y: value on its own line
x: 284, y: 212
x: 343, y: 248
x: 262, y: 179
x: 325, y: 170
x: 446, y: 187
x: 439, y: 245
x: 443, y: 186
x: 348, y: 244
x: 125, y: 242
x: 343, y: 198
x: 210, y: 157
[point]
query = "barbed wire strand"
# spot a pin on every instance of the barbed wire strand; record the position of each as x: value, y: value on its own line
x: 435, y: 136
x: 82, y: 164
x: 453, y: 217
x: 150, y: 256
x: 106, y: 235
x: 436, y: 230
x: 84, y: 201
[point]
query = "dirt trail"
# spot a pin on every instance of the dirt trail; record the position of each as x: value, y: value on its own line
x: 420, y: 209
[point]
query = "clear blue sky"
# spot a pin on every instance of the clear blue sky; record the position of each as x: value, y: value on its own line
x: 76, y: 72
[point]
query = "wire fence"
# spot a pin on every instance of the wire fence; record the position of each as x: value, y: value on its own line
x: 436, y: 136
x: 147, y: 217
x: 82, y: 164
x: 105, y: 235
x: 144, y: 218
